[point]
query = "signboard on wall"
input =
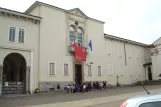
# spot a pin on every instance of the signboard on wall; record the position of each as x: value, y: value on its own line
x: 6, y: 84
x: 80, y: 54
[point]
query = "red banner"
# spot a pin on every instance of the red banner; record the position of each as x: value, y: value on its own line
x: 80, y: 53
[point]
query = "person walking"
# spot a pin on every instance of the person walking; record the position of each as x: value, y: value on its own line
x: 58, y: 87
x: 68, y: 88
x: 84, y: 87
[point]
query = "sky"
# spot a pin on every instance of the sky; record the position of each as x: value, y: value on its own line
x: 138, y: 20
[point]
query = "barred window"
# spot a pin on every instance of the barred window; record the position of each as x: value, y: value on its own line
x: 71, y: 35
x: 21, y: 35
x: 99, y: 71
x: 110, y: 69
x: 80, y: 36
x: 51, y: 68
x: 89, y: 70
x: 12, y: 33
x: 109, y: 48
x: 66, y: 70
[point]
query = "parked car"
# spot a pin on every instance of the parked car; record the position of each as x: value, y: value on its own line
x: 149, y: 100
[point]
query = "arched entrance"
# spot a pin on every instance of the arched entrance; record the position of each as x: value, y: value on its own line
x: 149, y: 73
x: 14, y: 74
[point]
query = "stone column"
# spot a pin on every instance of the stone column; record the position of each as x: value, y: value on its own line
x: 1, y: 71
x: 28, y: 79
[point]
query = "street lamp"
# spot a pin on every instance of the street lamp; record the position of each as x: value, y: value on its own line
x: 117, y: 84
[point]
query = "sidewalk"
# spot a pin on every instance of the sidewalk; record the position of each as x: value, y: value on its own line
x: 41, y: 99
x: 96, y: 101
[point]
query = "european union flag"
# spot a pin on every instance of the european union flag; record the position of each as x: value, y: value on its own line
x: 90, y: 45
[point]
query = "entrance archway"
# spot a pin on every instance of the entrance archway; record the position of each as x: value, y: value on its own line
x: 14, y: 74
x: 149, y: 73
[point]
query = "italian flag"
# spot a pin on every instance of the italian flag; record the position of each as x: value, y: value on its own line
x: 75, y: 42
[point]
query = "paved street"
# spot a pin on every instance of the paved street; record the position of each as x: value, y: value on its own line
x: 65, y: 97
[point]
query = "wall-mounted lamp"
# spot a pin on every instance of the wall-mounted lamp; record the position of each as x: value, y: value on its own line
x: 90, y: 63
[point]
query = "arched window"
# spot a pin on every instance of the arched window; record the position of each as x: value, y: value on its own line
x: 71, y: 35
x: 80, y: 36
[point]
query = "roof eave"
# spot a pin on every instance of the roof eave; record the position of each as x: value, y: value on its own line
x: 45, y: 4
x: 20, y: 14
x: 125, y: 40
x: 31, y: 7
x: 37, y: 2
x: 96, y: 20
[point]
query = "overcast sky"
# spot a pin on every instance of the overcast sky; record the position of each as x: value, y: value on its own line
x: 138, y: 20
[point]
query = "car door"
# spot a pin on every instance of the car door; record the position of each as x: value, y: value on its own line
x: 149, y: 103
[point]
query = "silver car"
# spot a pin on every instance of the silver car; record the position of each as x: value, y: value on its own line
x: 149, y: 100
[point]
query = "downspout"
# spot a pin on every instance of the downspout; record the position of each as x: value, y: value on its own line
x: 39, y: 49
x: 125, y: 53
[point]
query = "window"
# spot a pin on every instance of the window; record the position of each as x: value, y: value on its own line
x: 109, y: 48
x: 66, y: 70
x: 80, y: 36
x: 138, y: 52
x: 120, y: 50
x: 51, y: 68
x: 110, y: 69
x: 71, y: 35
x: 99, y: 71
x: 12, y: 33
x: 121, y: 70
x: 139, y: 70
x: 129, y: 51
x: 21, y: 36
x: 130, y: 70
x: 89, y: 70
x: 151, y: 104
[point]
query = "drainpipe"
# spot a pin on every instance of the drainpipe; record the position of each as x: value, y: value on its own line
x: 39, y: 40
x: 125, y: 53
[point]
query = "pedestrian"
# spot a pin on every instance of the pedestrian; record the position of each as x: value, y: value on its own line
x: 105, y: 85
x: 84, y: 87
x: 68, y: 88
x: 58, y: 87
x: 72, y: 88
x: 81, y: 87
x: 89, y: 86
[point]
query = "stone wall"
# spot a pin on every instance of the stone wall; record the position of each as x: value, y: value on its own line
x: 52, y: 86
x: 13, y: 87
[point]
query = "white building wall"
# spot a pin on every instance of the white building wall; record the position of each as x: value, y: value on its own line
x: 156, y: 59
x: 53, y: 45
x: 35, y: 11
x: 29, y: 46
x: 156, y: 66
x: 113, y: 57
x: 95, y: 34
